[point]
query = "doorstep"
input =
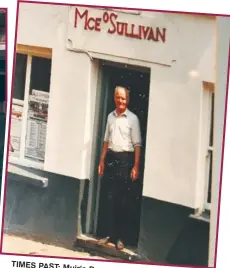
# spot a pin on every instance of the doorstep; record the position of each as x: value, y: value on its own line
x: 90, y: 244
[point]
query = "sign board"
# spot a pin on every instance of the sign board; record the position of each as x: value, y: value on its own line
x: 120, y: 34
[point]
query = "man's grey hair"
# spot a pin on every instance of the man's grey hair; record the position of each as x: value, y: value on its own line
x: 126, y: 90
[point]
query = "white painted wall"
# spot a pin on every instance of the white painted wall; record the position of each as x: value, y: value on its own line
x: 41, y: 24
x: 67, y: 144
x: 172, y: 170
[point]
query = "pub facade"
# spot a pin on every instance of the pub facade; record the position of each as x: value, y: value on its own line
x: 67, y: 66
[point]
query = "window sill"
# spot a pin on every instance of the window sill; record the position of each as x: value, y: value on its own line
x: 203, y: 217
x: 25, y: 163
x: 22, y: 174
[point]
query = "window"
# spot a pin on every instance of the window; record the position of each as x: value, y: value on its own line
x: 2, y: 85
x: 20, y: 77
x: 2, y: 35
x: 210, y: 154
x: 208, y: 123
x: 2, y: 92
x: 40, y: 74
x: 204, y: 192
x: 30, y: 105
x: 2, y: 26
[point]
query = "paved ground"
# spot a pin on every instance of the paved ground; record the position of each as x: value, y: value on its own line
x: 18, y: 245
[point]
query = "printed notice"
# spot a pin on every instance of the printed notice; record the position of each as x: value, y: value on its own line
x: 15, y: 132
x: 35, y: 143
x: 36, y: 125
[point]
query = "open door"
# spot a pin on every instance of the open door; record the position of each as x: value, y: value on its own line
x: 137, y: 80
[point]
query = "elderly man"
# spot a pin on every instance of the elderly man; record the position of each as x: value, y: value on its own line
x: 119, y: 164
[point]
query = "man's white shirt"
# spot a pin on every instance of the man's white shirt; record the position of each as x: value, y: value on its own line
x: 123, y: 132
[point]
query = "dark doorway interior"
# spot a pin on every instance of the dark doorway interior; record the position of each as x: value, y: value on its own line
x: 137, y: 81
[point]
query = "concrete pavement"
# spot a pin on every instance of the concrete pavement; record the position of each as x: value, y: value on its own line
x: 19, y: 245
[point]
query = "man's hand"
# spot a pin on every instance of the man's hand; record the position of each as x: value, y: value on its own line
x: 101, y: 168
x: 135, y: 173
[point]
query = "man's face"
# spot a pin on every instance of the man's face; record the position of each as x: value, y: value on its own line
x: 121, y: 100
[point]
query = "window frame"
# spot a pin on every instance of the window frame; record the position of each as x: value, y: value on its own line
x: 30, y: 52
x: 210, y: 88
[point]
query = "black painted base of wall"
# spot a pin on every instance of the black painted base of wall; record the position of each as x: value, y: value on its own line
x: 47, y: 214
x: 167, y: 234
x: 191, y: 246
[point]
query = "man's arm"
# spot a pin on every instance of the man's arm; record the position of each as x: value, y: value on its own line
x: 102, y: 159
x: 137, y: 156
x: 136, y: 139
x: 104, y: 150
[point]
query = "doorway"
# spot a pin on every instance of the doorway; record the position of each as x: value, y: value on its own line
x: 136, y: 80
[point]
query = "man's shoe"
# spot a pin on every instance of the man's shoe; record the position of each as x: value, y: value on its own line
x: 119, y: 245
x: 104, y: 241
